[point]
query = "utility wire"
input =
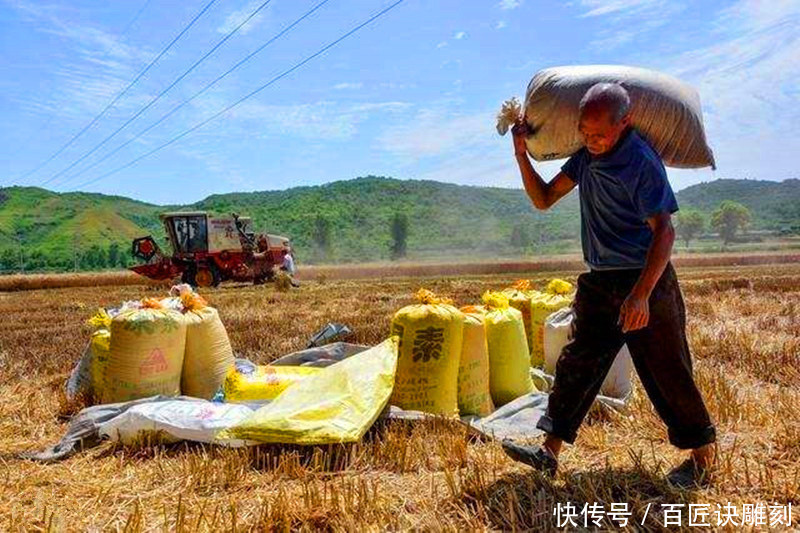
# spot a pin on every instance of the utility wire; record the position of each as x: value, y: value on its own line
x: 200, y: 92
x: 157, y: 97
x: 248, y: 95
x: 138, y: 14
x: 53, y: 113
x: 122, y: 93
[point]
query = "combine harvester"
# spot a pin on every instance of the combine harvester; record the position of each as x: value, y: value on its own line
x: 208, y: 250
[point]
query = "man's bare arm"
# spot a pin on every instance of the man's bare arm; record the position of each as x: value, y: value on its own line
x: 542, y: 194
x: 635, y: 311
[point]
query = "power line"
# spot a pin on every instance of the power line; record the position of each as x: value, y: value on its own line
x: 157, y: 97
x: 138, y: 14
x: 248, y: 95
x: 53, y: 113
x: 201, y: 91
x: 122, y: 93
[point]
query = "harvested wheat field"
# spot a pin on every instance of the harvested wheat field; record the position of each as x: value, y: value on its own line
x: 745, y: 334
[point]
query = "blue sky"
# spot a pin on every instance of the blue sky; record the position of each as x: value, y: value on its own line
x: 412, y: 96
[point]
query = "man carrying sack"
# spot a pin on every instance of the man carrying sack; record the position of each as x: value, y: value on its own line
x: 631, y: 293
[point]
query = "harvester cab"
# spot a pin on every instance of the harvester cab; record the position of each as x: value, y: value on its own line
x: 207, y: 250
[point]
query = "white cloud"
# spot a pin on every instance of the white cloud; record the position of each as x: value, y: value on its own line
x: 237, y: 16
x: 509, y: 4
x: 494, y: 167
x: 441, y: 44
x: 348, y: 85
x: 100, y: 65
x: 460, y: 35
x: 500, y: 25
x: 379, y: 106
x: 748, y: 83
x: 434, y: 132
x: 441, y: 144
x: 396, y: 85
x: 605, y: 7
x: 326, y: 120
x: 203, y: 149
x: 625, y: 21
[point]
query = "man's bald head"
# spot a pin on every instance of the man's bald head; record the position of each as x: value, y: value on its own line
x: 604, y: 116
x: 609, y: 98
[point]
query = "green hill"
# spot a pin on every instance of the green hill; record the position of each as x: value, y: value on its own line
x: 775, y: 205
x: 49, y: 230
x: 443, y: 218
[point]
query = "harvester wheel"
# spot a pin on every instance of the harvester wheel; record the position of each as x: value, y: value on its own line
x: 202, y: 276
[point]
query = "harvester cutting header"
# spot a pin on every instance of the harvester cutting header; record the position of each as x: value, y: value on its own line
x: 207, y: 250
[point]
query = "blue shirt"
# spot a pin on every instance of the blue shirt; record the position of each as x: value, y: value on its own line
x: 618, y: 192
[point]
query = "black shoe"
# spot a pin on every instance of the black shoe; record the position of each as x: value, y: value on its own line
x: 533, y: 456
x: 688, y: 475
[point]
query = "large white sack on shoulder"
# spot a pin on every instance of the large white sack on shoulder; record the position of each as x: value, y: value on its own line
x: 194, y: 420
x: 665, y: 110
x: 558, y: 332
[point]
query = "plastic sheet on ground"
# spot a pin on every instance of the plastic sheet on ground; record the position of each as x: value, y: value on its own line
x: 175, y: 420
x: 80, y: 379
x: 517, y: 419
x: 321, y: 356
x: 83, y: 430
x: 327, y: 333
x: 181, y: 417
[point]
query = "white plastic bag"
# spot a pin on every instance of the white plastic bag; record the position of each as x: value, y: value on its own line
x: 558, y: 332
x: 665, y: 110
x: 174, y: 420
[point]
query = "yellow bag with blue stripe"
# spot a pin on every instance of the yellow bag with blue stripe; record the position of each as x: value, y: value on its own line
x: 250, y: 383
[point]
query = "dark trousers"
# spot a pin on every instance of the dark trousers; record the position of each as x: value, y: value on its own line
x: 659, y: 351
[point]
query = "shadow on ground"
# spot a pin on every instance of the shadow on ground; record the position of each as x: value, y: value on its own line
x: 530, y: 501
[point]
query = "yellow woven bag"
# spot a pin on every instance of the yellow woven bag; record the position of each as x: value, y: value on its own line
x: 431, y: 335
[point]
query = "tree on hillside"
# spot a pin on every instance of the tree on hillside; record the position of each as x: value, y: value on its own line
x: 113, y: 255
x: 399, y: 235
x: 520, y: 237
x: 37, y: 261
x: 689, y: 223
x: 729, y: 218
x: 321, y: 238
x: 9, y: 261
x: 93, y: 259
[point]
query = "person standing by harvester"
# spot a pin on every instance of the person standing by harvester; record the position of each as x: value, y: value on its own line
x: 630, y: 294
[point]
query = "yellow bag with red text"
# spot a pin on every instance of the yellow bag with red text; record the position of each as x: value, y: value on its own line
x: 145, y: 355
